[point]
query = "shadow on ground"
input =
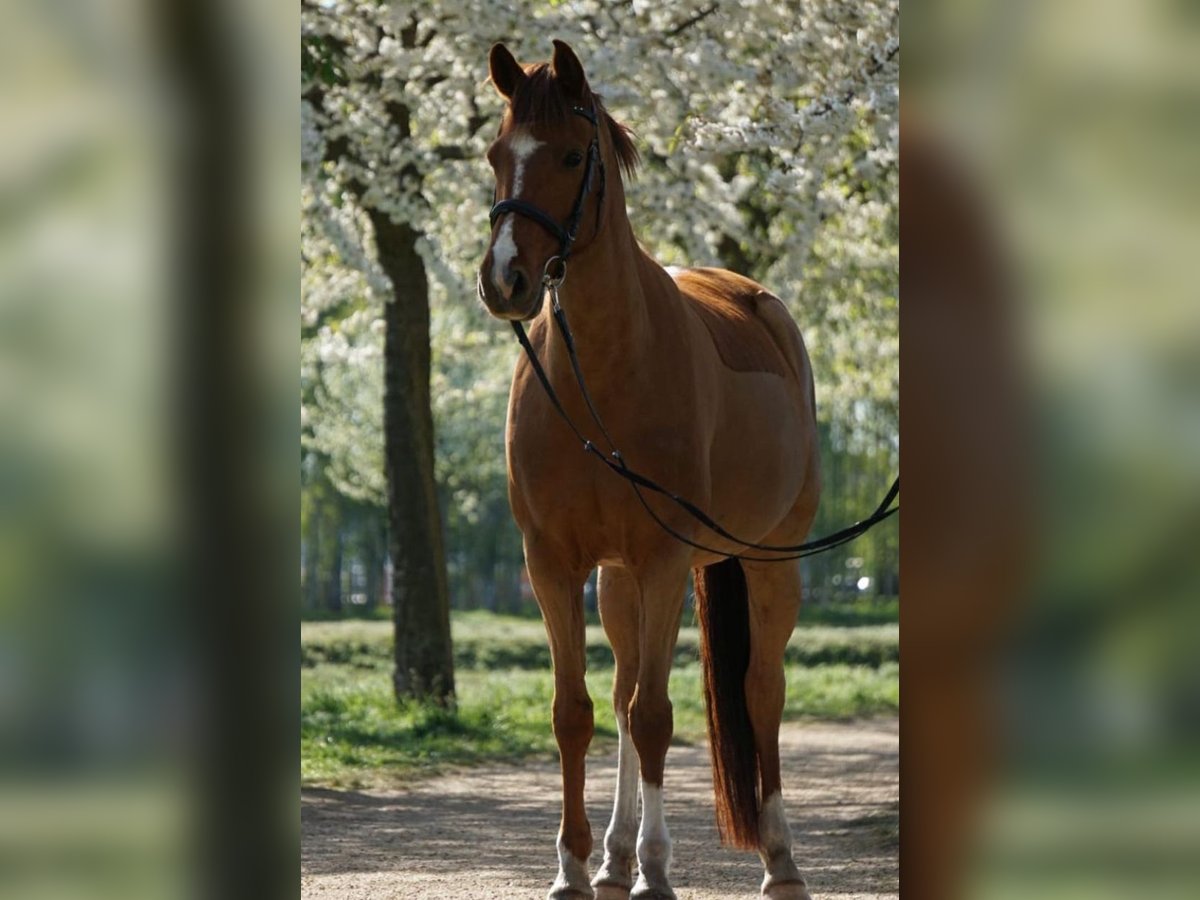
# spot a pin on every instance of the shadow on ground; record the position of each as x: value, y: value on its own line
x: 489, y: 832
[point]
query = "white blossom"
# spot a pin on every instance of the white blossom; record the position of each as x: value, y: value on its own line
x: 768, y: 126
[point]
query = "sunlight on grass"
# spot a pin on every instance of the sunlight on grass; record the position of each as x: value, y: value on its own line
x: 353, y: 733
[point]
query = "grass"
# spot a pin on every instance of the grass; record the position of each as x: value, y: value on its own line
x: 857, y: 611
x: 354, y: 734
x: 486, y: 641
x: 841, y: 611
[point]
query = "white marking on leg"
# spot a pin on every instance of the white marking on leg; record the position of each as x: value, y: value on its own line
x: 775, y: 848
x: 572, y: 873
x: 773, y: 828
x: 624, y: 820
x: 654, y: 843
x: 504, y: 251
x: 621, y: 837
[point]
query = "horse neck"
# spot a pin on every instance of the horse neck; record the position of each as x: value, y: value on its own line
x: 605, y: 302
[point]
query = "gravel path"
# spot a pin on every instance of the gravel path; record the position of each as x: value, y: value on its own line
x: 488, y: 833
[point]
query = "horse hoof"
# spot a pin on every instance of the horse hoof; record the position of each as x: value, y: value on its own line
x: 569, y: 893
x: 642, y: 891
x: 613, y: 881
x: 563, y: 891
x: 792, y: 890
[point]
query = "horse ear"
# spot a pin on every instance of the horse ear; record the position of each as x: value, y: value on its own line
x: 506, y: 73
x: 568, y: 70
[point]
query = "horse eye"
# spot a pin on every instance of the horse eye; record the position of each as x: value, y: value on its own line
x: 573, y: 159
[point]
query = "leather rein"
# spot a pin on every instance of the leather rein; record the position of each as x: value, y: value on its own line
x: 553, y: 275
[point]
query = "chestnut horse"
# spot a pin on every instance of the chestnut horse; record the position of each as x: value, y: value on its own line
x: 702, y: 378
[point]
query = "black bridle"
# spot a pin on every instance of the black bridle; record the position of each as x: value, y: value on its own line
x: 553, y: 274
x: 567, y: 233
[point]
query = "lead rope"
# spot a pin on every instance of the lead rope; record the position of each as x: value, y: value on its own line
x: 551, y: 282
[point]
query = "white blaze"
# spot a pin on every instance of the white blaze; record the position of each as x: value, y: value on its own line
x: 504, y: 251
x: 523, y: 146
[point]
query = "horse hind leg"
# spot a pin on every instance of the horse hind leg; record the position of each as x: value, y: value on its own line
x: 651, y: 721
x: 618, y: 595
x: 774, y: 600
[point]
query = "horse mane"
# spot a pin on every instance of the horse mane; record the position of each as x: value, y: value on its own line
x: 539, y: 100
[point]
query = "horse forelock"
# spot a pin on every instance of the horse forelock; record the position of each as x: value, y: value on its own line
x: 540, y: 100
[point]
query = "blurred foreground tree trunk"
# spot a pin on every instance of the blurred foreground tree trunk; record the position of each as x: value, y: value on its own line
x: 420, y: 596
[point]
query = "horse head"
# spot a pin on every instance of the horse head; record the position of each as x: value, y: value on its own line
x: 549, y: 161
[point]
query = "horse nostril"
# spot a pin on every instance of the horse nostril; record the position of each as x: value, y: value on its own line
x: 519, y: 284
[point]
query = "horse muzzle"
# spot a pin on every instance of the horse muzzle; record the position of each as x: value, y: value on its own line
x: 510, y: 295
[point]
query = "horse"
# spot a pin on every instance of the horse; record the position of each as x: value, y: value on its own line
x: 702, y: 378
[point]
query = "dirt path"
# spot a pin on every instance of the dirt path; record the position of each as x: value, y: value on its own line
x: 489, y: 833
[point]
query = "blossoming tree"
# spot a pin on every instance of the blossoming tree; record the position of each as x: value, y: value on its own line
x: 769, y: 134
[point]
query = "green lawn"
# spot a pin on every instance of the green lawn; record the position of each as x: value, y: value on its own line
x: 483, y: 640
x: 353, y: 733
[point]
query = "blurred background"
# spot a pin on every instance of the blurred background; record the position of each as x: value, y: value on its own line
x: 136, y: 141
x: 1070, y: 129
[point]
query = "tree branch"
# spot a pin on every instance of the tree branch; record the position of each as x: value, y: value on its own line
x: 872, y: 70
x: 688, y: 23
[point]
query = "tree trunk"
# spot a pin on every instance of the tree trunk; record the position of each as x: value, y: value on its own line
x: 371, y: 562
x: 333, y: 583
x: 421, y: 611
x: 312, y: 567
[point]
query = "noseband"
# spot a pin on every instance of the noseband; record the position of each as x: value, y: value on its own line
x: 567, y: 233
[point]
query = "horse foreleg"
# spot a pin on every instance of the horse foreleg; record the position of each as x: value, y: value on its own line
x: 618, y: 598
x: 651, y: 721
x: 774, y: 600
x: 560, y: 595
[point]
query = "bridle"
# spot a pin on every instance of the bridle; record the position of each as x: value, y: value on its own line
x: 567, y: 233
x: 553, y: 275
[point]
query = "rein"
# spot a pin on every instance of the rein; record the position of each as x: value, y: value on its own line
x: 552, y: 278
x: 615, y: 461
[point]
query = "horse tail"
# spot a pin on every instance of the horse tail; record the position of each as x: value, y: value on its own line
x: 722, y: 608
